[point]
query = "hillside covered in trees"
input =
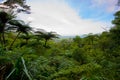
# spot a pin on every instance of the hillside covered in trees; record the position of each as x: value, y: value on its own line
x: 28, y: 54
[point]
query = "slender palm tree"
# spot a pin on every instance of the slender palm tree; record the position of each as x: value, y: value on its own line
x: 4, y: 20
x: 42, y: 34
x: 26, y: 38
x: 49, y: 35
x: 21, y: 28
x: 38, y: 33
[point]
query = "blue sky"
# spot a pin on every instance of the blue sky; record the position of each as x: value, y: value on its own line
x: 86, y: 11
x: 71, y: 17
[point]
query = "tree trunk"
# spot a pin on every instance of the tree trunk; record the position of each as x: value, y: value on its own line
x: 14, y: 40
x: 3, y: 36
x: 45, y: 43
x: 27, y: 41
x: 1, y: 39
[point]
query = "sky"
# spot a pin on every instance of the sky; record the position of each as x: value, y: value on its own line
x: 71, y: 17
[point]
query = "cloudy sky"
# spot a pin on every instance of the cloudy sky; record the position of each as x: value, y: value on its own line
x: 71, y: 17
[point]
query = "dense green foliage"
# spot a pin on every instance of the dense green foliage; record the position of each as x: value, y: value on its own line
x: 36, y: 55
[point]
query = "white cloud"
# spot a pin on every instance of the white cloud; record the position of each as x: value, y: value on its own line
x: 56, y: 15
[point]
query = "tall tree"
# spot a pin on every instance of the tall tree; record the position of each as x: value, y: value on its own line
x: 115, y: 31
x: 47, y: 36
x: 21, y: 28
x: 5, y: 18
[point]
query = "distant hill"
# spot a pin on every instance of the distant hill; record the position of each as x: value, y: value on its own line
x: 65, y: 37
